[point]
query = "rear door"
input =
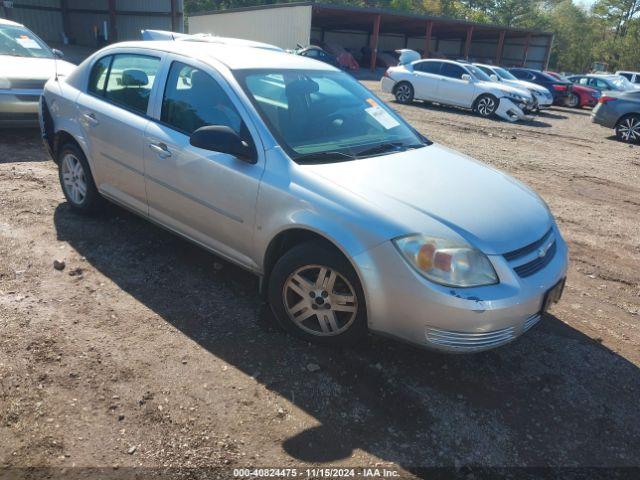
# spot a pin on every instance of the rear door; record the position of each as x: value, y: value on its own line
x: 426, y: 79
x: 453, y: 89
x: 205, y: 195
x: 113, y: 115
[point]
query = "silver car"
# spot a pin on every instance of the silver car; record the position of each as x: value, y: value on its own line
x: 26, y: 63
x: 290, y: 168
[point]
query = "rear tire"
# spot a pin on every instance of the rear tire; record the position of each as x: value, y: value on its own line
x: 404, y: 93
x: 315, y: 294
x: 486, y: 105
x: 573, y: 101
x: 77, y: 181
x: 628, y: 129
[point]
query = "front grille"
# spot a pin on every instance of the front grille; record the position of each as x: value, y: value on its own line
x: 470, y: 341
x: 521, y: 252
x: 27, y: 84
x: 538, y: 264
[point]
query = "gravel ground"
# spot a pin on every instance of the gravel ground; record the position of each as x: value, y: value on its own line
x: 147, y: 351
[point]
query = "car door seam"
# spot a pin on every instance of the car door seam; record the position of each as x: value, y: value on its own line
x: 195, y: 199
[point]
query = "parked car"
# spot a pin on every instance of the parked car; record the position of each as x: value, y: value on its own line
x: 559, y: 89
x: 292, y: 169
x: 458, y: 84
x: 541, y: 95
x: 26, y: 63
x: 580, y: 95
x: 603, y: 83
x: 317, y: 53
x: 633, y: 77
x: 345, y: 58
x: 620, y: 111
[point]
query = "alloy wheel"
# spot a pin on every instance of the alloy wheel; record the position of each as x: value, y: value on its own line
x: 629, y: 129
x: 73, y: 179
x: 403, y: 93
x: 320, y: 300
x: 486, y: 106
x: 574, y: 101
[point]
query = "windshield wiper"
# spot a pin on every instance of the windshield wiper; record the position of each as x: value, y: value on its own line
x: 324, y: 157
x: 387, y: 147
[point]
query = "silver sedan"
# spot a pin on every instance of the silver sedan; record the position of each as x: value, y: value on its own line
x: 290, y: 168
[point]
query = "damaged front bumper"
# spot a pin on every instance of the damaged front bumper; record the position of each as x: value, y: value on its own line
x: 513, y: 112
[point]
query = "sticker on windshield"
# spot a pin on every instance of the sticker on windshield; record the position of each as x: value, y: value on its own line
x: 26, y: 42
x: 382, y: 117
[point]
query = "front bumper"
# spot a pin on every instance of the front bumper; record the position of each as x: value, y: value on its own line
x: 512, y: 112
x: 403, y: 304
x: 19, y: 107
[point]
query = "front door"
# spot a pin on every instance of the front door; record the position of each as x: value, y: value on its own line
x: 208, y: 196
x: 453, y: 89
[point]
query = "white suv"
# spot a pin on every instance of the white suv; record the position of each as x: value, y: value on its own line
x: 459, y: 84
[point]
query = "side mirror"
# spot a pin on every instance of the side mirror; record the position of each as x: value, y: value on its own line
x: 466, y: 77
x: 219, y: 138
x: 57, y: 53
x: 494, y: 78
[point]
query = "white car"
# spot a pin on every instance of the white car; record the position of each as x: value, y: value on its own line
x: 633, y: 77
x: 542, y: 95
x: 26, y: 63
x: 458, y: 84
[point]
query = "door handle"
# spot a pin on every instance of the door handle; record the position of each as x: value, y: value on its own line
x: 91, y: 118
x: 160, y: 149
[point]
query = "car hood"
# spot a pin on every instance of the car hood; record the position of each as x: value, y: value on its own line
x: 504, y: 89
x: 416, y: 188
x: 527, y: 85
x: 34, y: 68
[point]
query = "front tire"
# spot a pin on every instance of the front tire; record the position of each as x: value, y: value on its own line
x: 573, y: 101
x: 404, y: 93
x: 315, y: 294
x: 486, y: 105
x: 77, y: 181
x: 628, y: 129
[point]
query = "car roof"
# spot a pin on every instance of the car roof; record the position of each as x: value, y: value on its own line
x: 4, y: 21
x: 234, y: 57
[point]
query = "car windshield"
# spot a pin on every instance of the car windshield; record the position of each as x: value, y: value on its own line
x: 325, y: 116
x: 478, y: 73
x: 17, y: 41
x: 504, y: 74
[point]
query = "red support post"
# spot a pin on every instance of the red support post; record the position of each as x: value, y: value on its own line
x: 174, y: 16
x: 6, y: 11
x: 527, y: 42
x: 374, y: 41
x: 500, y: 47
x: 427, y: 39
x: 467, y: 45
x: 113, y: 29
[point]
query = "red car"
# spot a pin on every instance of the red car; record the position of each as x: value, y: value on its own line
x: 580, y: 96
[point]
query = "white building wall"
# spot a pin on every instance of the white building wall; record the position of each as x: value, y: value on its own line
x: 284, y: 27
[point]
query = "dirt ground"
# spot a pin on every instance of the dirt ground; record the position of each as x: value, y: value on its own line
x: 147, y: 351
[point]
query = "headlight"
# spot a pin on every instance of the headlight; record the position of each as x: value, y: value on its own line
x: 516, y: 98
x: 447, y: 262
x: 5, y: 84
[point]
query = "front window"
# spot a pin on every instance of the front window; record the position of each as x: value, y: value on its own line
x: 17, y: 41
x: 326, y: 116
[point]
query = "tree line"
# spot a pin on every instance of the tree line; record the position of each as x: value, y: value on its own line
x: 607, y: 32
